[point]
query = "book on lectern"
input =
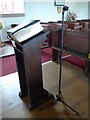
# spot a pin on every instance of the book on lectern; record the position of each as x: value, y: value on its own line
x: 25, y: 30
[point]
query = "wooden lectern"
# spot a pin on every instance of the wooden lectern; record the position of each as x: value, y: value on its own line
x: 28, y: 57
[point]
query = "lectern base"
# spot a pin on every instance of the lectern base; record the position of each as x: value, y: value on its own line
x: 40, y: 98
x: 42, y: 101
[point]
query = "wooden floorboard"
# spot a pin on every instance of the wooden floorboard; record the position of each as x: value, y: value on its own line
x: 74, y: 89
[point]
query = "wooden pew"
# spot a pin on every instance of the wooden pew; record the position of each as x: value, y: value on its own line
x: 84, y: 22
x: 51, y: 26
x: 77, y: 43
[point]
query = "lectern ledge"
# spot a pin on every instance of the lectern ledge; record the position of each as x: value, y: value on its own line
x: 28, y: 38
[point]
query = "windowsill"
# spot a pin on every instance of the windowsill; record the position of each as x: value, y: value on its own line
x: 13, y: 15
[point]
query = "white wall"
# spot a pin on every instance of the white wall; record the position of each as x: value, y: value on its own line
x: 89, y: 10
x: 44, y: 11
x: 80, y: 8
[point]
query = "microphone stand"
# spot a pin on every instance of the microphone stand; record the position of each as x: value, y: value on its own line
x: 59, y: 96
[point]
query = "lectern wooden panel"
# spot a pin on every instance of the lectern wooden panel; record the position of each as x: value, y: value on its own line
x: 28, y: 58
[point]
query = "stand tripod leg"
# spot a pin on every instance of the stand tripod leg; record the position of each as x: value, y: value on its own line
x: 70, y: 108
x: 59, y: 98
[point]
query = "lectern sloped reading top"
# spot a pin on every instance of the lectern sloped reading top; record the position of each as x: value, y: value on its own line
x: 27, y: 39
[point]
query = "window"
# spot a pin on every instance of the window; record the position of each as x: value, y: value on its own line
x: 11, y: 6
x: 59, y: 2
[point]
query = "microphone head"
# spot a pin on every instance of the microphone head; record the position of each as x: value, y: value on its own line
x: 65, y: 8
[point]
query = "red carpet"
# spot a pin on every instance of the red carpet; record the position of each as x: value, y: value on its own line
x: 9, y: 63
x: 46, y: 54
x: 76, y: 61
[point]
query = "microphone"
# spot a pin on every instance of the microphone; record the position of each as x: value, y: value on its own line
x: 65, y: 8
